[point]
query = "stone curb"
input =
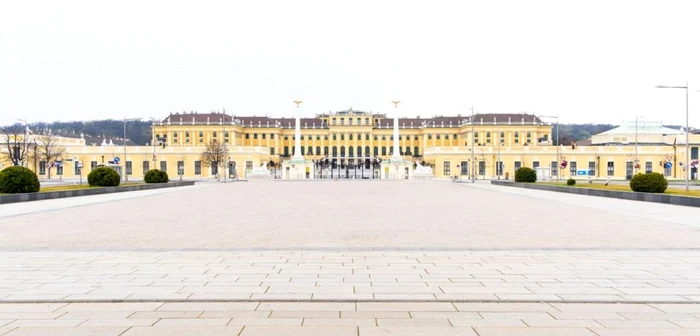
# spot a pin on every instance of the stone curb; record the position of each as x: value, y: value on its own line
x: 626, y: 195
x: 29, y: 197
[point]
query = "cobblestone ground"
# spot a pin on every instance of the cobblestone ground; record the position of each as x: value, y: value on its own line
x: 348, y: 258
x: 349, y: 214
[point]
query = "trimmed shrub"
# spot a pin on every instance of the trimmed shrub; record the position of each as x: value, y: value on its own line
x: 525, y: 174
x: 571, y: 182
x: 155, y: 176
x: 103, y: 177
x: 15, y: 180
x: 649, y: 182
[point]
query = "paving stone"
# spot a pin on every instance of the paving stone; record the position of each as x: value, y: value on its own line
x: 306, y: 314
x: 491, y: 331
x: 375, y: 314
x: 307, y: 306
x: 184, y: 331
x: 68, y: 331
x: 416, y: 331
x: 405, y: 306
x: 118, y: 322
x: 192, y: 322
x: 207, y: 306
x: 339, y: 322
x: 307, y: 331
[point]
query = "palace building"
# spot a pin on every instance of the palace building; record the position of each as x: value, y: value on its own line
x: 349, y: 144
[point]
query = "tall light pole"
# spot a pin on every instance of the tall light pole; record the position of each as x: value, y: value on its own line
x: 636, y: 144
x: 224, y: 160
x: 24, y: 143
x: 126, y: 178
x: 153, y: 141
x: 473, y: 164
x: 498, y: 164
x: 687, y: 130
x: 557, y: 131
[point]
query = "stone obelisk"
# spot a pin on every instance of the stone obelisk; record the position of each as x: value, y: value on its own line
x: 297, y: 157
x: 396, y: 156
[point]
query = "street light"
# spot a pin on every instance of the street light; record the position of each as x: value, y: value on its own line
x: 636, y: 144
x: 473, y: 163
x: 687, y: 130
x: 126, y: 178
x: 557, y: 130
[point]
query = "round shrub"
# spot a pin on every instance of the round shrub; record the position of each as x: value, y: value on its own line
x: 15, y: 180
x: 155, y: 176
x: 649, y: 182
x: 571, y: 182
x: 103, y: 177
x: 525, y: 174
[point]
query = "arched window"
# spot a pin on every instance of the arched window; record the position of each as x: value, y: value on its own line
x: 415, y: 151
x: 383, y: 150
x: 359, y: 151
x: 286, y: 150
x: 325, y: 150
x: 351, y: 151
x: 318, y: 150
x: 391, y: 150
x: 335, y: 151
x: 342, y: 136
x: 408, y: 150
x: 366, y: 150
x: 309, y: 150
x: 376, y: 151
x: 294, y: 150
x: 350, y: 135
x: 342, y: 151
x: 400, y: 150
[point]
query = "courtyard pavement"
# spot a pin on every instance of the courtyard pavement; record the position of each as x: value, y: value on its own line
x: 348, y: 258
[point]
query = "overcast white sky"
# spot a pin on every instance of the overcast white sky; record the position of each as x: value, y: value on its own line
x: 588, y: 61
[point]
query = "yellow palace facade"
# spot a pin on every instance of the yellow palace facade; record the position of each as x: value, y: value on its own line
x: 352, y: 142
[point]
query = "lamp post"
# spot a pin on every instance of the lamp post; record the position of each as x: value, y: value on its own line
x: 25, y: 143
x: 557, y: 131
x: 153, y: 141
x: 636, y: 144
x: 473, y: 163
x: 126, y: 178
x: 687, y: 143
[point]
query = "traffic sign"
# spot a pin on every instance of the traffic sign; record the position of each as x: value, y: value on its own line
x: 116, y: 160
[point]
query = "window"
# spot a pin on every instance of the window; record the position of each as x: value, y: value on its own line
x: 438, y: 137
x: 272, y: 136
x: 488, y: 137
x: 503, y: 137
x: 415, y: 137
x: 375, y: 138
x: 516, y: 137
x: 464, y: 168
x: 286, y: 137
x: 383, y: 137
x: 175, y: 136
x: 272, y: 150
x: 325, y: 137
x: 350, y: 135
x: 482, y: 168
x: 247, y: 136
x: 367, y: 122
x: 446, y: 168
x: 367, y: 151
x: 128, y: 168
x: 408, y: 150
x: 318, y: 150
x: 528, y: 137
x: 476, y: 137
x: 286, y: 150
x: 611, y: 168
x: 572, y: 168
x: 383, y: 150
x: 517, y: 166
x: 93, y: 165
x: 255, y: 136
x: 342, y: 151
x: 694, y: 153
x: 325, y: 150
x: 535, y: 164
x: 555, y: 168
x: 415, y: 151
x: 301, y: 137
x: 59, y: 169
x: 145, y: 165
x: 499, y: 168
x: 263, y: 136
x: 454, y: 136
x: 214, y: 167
x: 334, y: 136
x: 213, y: 134
x: 647, y: 167
x: 367, y: 136
x: 181, y: 168
x: 591, y: 168
x: 351, y: 150
x: 201, y: 134
x: 309, y: 150
x: 187, y: 134
x: 164, y: 166
x: 42, y: 167
x: 375, y: 150
x: 318, y: 138
x: 335, y: 151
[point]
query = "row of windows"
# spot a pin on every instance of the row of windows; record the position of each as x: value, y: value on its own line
x: 554, y: 166
x: 351, y: 151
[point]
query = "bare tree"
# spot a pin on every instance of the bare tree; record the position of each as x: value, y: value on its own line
x: 49, y: 151
x: 15, y: 144
x: 214, y: 155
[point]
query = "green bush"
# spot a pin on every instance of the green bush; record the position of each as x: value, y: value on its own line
x: 571, y: 182
x: 525, y: 174
x: 15, y: 180
x: 649, y: 182
x: 155, y: 176
x: 103, y: 177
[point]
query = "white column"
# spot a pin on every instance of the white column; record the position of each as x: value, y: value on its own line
x: 297, y: 137
x: 396, y: 157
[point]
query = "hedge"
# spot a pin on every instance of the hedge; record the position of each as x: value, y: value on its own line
x: 525, y: 174
x: 15, y: 180
x: 155, y: 176
x: 103, y: 177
